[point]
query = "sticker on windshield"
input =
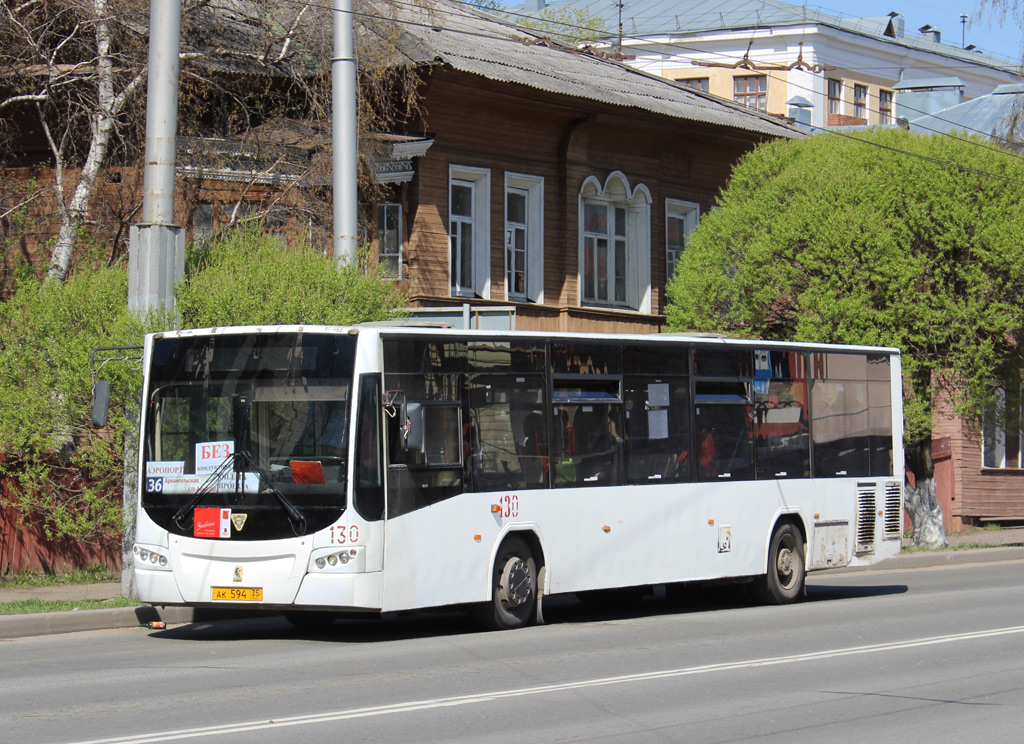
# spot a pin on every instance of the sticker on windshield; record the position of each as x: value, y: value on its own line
x: 168, y: 467
x: 211, y: 522
x: 190, y: 484
x: 211, y: 455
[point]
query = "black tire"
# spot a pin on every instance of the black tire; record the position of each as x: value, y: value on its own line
x: 513, y: 588
x: 784, y: 581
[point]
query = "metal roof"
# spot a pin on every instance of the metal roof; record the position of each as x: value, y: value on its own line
x: 644, y: 18
x: 477, y: 42
x: 994, y: 115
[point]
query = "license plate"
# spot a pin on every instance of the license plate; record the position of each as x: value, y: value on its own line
x: 237, y: 593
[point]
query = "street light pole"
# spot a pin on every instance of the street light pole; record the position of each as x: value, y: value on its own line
x: 343, y: 132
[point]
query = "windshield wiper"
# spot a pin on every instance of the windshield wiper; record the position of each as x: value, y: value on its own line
x: 239, y: 463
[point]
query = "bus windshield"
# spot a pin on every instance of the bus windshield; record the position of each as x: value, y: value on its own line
x: 255, y: 425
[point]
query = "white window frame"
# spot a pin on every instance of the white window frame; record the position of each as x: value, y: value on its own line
x: 615, y: 193
x: 534, y: 188
x: 480, y: 223
x: 885, y: 112
x: 381, y: 241
x: 860, y: 101
x: 834, y: 104
x: 689, y: 214
x: 994, y: 438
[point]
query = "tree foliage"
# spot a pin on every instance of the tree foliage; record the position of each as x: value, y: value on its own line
x: 62, y: 475
x: 67, y: 477
x: 73, y: 80
x: 245, y: 278
x: 888, y: 239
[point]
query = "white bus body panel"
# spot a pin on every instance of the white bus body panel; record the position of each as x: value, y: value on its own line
x: 656, y: 534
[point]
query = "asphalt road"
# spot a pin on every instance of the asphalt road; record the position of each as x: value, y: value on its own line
x: 930, y: 654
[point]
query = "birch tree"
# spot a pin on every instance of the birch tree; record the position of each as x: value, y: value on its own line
x: 73, y: 73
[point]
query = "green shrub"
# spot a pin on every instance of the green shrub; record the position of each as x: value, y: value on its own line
x: 67, y: 478
x: 245, y: 278
x: 62, y: 475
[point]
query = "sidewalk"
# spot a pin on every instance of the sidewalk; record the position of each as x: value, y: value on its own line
x: 1006, y: 544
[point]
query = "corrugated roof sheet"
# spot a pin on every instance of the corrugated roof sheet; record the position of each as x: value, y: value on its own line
x: 480, y: 43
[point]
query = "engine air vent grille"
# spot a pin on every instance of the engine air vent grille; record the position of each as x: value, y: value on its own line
x: 865, y: 517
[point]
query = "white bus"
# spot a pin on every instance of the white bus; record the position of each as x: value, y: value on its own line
x: 323, y: 470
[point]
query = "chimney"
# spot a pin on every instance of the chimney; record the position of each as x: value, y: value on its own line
x: 532, y: 7
x: 930, y: 33
x: 896, y: 27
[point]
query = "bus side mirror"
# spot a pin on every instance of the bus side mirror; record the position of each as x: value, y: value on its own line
x: 100, y: 403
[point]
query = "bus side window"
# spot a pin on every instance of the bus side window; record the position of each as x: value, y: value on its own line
x: 369, y: 470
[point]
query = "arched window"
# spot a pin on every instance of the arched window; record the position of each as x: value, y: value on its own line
x: 615, y: 244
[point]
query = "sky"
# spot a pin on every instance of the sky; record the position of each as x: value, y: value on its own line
x: 983, y: 27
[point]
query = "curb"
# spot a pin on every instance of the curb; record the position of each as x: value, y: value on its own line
x: 931, y: 559
x: 54, y: 623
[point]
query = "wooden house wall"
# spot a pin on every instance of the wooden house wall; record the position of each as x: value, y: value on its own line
x: 31, y: 219
x: 975, y: 492
x: 479, y: 123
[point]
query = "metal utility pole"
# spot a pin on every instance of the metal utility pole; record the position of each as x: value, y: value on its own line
x: 345, y: 142
x: 156, y: 246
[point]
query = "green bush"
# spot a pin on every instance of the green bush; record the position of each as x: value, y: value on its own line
x: 245, y: 278
x: 67, y: 478
x: 62, y: 475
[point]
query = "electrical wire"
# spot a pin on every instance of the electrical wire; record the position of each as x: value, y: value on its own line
x: 476, y: 10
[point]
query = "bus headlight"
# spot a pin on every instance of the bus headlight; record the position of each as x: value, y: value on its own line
x: 337, y: 560
x: 151, y: 557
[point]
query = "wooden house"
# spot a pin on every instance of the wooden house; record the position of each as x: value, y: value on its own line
x: 554, y: 184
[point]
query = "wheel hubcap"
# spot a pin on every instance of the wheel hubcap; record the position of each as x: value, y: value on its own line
x: 514, y: 589
x: 784, y: 566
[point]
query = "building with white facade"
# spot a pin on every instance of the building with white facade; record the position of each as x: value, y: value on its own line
x: 795, y: 61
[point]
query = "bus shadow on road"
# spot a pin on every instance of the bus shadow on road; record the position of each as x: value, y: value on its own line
x: 827, y: 592
x: 565, y: 609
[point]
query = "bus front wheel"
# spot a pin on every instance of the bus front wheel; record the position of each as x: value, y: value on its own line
x: 513, y: 587
x: 784, y: 581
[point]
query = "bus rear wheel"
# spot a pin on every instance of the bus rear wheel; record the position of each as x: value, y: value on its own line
x: 784, y: 581
x: 513, y: 601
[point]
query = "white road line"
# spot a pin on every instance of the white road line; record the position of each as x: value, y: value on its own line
x: 430, y: 704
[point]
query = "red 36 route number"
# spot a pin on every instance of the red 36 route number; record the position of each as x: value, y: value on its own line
x: 342, y: 535
x: 510, y: 505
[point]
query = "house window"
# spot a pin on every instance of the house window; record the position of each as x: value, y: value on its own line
x: 885, y: 107
x: 524, y: 237
x: 469, y: 231
x: 1001, y: 428
x: 751, y: 91
x: 202, y: 222
x: 860, y: 101
x: 835, y: 96
x: 515, y: 242
x: 701, y: 84
x: 389, y: 239
x: 615, y: 244
x: 680, y: 220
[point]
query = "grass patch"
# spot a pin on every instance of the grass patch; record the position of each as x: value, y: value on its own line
x: 31, y: 606
x: 91, y: 575
x: 992, y: 526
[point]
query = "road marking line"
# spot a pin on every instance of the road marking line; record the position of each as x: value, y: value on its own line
x: 417, y: 705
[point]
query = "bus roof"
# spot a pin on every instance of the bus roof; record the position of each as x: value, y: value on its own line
x: 389, y: 329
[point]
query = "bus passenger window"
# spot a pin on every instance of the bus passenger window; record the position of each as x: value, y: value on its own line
x: 657, y: 429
